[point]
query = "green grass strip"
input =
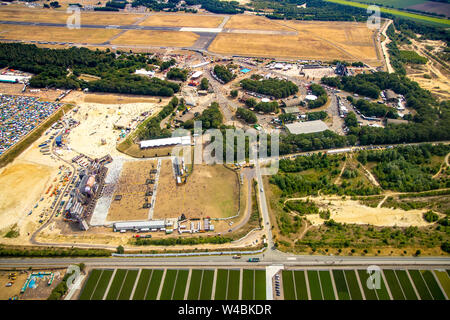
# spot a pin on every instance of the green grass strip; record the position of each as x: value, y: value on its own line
x: 221, y: 284
x: 169, y: 283
x: 444, y: 279
x: 406, y: 285
x: 194, y: 286
x: 233, y: 285
x: 300, y: 285
x: 128, y: 285
x: 90, y: 284
x: 288, y: 285
x: 247, y: 284
x: 327, y: 286
x: 142, y: 285
x: 155, y: 284
x: 314, y: 285
x: 116, y: 285
x: 180, y: 285
x: 420, y: 285
x: 260, y: 284
x: 394, y: 285
x: 370, y: 294
x: 102, y: 285
x: 353, y: 285
x: 207, y: 284
x: 432, y: 285
x: 341, y: 285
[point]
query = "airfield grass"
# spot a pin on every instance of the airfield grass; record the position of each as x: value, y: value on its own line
x: 156, y: 38
x: 59, y: 34
x: 442, y: 22
x: 52, y: 16
x: 182, y: 20
x: 250, y: 22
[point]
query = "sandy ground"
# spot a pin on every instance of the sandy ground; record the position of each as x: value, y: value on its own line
x: 132, y: 187
x: 14, y: 290
x: 350, y: 211
x: 97, y: 123
x: 210, y: 191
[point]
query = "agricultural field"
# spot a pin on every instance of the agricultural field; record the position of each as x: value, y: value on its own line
x: 350, y: 284
x: 174, y: 284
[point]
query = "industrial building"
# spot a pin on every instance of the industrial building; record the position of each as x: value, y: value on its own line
x: 150, y: 225
x: 307, y: 127
x: 184, y: 141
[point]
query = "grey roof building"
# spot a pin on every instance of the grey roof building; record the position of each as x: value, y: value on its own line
x: 307, y: 127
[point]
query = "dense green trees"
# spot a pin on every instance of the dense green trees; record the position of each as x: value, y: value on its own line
x: 247, y: 115
x: 177, y: 74
x: 153, y: 127
x: 217, y: 6
x: 321, y: 94
x: 223, y: 73
x: 204, y: 84
x: 270, y: 87
x: 267, y: 107
x: 371, y: 109
x: 211, y: 117
x: 317, y: 115
x: 52, y: 69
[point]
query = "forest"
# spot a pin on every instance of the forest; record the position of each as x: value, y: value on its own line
x: 270, y: 87
x: 60, y: 68
x: 153, y: 127
x: 372, y: 109
x: 321, y: 94
x: 247, y: 115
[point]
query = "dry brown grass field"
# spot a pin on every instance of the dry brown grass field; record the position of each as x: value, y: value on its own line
x: 56, y: 16
x: 247, y: 22
x: 59, y: 34
x: 211, y: 190
x: 132, y: 187
x: 315, y: 40
x: 182, y: 20
x: 156, y: 38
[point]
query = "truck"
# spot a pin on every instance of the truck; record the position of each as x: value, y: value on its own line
x: 236, y: 256
x: 253, y: 260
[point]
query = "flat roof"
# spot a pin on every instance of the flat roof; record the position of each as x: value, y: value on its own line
x: 307, y: 127
x: 185, y: 140
x: 140, y: 224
